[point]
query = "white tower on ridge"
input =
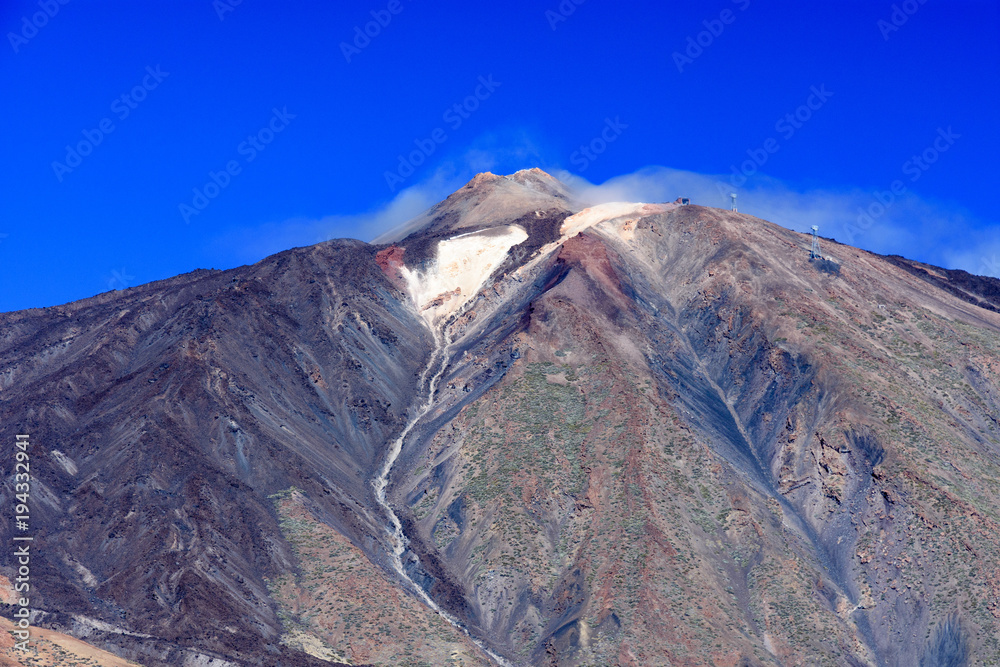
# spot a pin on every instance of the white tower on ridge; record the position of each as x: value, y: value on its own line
x: 814, y: 252
x: 733, y: 196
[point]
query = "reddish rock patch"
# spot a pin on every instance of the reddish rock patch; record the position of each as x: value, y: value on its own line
x: 591, y: 255
x: 390, y: 260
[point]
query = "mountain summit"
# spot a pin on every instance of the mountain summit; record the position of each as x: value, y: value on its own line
x: 520, y: 431
x: 489, y: 200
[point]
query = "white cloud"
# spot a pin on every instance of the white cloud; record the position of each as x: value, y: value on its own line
x: 981, y: 258
x: 935, y: 232
x: 253, y: 243
x: 939, y: 233
x: 501, y: 151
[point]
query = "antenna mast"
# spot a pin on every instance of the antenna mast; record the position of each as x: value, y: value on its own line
x: 733, y: 195
x: 814, y: 252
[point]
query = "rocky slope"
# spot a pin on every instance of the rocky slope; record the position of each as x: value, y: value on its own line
x: 53, y: 649
x: 657, y: 434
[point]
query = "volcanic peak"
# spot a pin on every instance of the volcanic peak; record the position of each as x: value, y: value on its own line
x: 489, y: 200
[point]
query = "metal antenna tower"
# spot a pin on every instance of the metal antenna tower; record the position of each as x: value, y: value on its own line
x: 814, y: 252
x: 733, y: 195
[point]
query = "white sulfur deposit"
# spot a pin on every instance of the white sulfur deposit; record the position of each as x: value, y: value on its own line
x: 464, y: 262
x: 589, y: 217
x: 461, y: 266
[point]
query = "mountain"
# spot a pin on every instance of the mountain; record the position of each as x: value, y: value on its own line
x: 520, y: 431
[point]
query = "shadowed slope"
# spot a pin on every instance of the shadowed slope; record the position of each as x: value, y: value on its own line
x: 661, y: 435
x: 161, y: 419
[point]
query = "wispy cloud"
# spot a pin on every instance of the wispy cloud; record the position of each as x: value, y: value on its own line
x: 936, y: 232
x: 500, y: 152
x: 250, y: 244
x: 932, y: 231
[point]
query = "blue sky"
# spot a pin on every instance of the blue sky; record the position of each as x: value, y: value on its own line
x: 144, y: 140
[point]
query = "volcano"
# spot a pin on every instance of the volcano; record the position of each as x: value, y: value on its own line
x: 519, y: 430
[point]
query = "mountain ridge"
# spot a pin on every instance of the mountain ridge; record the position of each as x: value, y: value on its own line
x: 655, y: 394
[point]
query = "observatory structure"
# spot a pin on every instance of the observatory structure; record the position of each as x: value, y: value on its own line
x: 814, y: 252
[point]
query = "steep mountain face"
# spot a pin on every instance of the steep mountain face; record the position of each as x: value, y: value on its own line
x: 634, y: 434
